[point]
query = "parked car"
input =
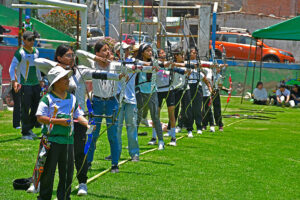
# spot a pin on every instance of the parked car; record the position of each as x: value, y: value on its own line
x: 128, y: 39
x: 143, y: 38
x: 237, y: 46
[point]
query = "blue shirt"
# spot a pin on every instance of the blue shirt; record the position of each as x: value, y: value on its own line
x: 145, y: 87
x: 129, y: 96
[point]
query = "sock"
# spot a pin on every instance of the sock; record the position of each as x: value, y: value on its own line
x: 172, y: 132
x: 153, y: 133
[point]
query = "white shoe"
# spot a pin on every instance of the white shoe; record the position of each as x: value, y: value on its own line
x: 161, y: 145
x: 177, y: 130
x: 27, y: 137
x: 212, y: 129
x: 173, y: 142
x: 190, y: 134
x: 199, y: 131
x: 82, y: 190
x: 32, y: 189
x: 167, y: 134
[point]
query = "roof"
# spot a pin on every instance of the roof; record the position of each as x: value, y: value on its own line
x: 286, y: 30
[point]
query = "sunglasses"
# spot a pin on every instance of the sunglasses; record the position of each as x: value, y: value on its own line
x: 69, y: 55
x: 30, y: 39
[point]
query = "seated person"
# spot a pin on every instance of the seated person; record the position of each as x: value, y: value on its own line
x: 260, y: 94
x: 283, y: 95
x: 295, y: 95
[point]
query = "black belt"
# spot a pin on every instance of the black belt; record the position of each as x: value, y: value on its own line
x: 105, y: 99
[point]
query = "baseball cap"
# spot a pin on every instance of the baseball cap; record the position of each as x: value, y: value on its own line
x: 27, y: 17
x: 27, y: 35
x: 118, y: 46
x: 136, y: 47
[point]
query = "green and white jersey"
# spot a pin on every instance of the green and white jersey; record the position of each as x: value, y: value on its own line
x: 55, y: 107
x: 23, y: 65
x: 28, y: 26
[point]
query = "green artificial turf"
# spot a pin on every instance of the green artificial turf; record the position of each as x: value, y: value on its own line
x: 251, y: 159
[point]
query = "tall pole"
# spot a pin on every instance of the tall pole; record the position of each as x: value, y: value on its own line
x: 253, y: 75
x: 214, y: 27
x: 261, y: 58
x: 20, y: 27
x: 203, y: 30
x: 126, y: 10
x: 77, y: 27
x: 246, y: 74
x: 106, y: 18
x: 163, y: 19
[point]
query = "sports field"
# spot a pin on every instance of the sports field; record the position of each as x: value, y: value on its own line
x: 251, y: 159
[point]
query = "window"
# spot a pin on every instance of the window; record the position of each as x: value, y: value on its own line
x: 147, y: 40
x: 96, y: 33
x: 218, y: 36
x: 230, y: 38
x: 247, y: 40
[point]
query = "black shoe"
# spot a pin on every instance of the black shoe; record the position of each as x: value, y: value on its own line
x: 89, y: 166
x: 38, y: 125
x: 108, y: 158
x: 143, y: 134
x: 152, y: 141
x: 114, y: 169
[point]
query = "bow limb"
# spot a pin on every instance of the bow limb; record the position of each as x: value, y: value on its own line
x: 229, y: 93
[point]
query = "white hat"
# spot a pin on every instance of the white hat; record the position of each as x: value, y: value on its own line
x: 118, y: 46
x: 136, y: 47
x: 57, y: 73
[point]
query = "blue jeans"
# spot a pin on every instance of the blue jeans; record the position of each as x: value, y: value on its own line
x: 129, y: 112
x: 106, y: 107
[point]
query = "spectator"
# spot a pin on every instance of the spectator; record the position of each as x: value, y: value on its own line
x: 28, y: 81
x: 260, y: 94
x: 27, y: 25
x: 295, y: 96
x: 283, y: 95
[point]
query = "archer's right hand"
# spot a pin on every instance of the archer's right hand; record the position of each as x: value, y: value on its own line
x: 124, y: 76
x: 16, y: 86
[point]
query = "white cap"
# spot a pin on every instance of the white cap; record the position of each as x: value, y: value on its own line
x: 57, y: 73
x: 118, y: 46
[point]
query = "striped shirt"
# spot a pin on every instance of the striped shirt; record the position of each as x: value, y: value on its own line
x: 65, y: 108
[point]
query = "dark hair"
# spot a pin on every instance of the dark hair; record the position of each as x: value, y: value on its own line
x: 141, y: 50
x: 61, y: 50
x: 259, y: 83
x: 99, y: 45
x: 282, y: 86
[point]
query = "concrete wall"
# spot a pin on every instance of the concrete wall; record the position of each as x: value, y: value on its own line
x: 253, y: 22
